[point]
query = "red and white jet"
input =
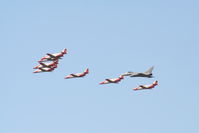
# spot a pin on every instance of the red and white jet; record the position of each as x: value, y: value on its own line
x: 115, y: 80
x: 46, y: 69
x: 142, y: 87
x: 78, y: 75
x: 48, y: 65
x: 51, y: 57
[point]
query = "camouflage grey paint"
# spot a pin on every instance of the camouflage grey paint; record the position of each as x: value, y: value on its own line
x: 147, y: 74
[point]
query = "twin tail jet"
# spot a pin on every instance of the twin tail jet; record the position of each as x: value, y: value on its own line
x: 147, y: 74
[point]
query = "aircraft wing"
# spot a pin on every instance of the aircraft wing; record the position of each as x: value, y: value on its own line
x: 74, y: 75
x: 136, y: 74
x: 109, y: 80
x: 71, y: 76
x: 43, y: 64
x: 52, y: 56
x: 144, y: 86
x: 44, y: 69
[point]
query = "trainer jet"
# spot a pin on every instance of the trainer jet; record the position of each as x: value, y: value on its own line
x: 46, y: 69
x: 142, y: 87
x: 115, y: 80
x: 78, y: 75
x: 52, y: 57
x: 147, y: 74
x: 48, y: 65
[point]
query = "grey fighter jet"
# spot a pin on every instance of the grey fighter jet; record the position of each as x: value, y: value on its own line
x: 147, y: 74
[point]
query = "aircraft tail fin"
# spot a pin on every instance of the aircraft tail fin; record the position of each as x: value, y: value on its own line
x: 56, y: 61
x: 149, y: 70
x: 155, y: 82
x: 121, y: 76
x: 86, y: 71
x: 54, y: 66
x: 64, y: 51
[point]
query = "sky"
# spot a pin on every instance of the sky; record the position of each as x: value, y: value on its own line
x: 110, y: 37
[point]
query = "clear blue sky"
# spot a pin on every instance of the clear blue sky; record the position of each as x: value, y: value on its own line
x: 109, y: 37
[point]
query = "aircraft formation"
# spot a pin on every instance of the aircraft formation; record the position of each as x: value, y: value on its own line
x: 50, y: 61
x: 147, y: 74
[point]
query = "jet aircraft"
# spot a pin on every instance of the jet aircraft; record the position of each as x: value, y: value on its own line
x: 147, y: 74
x: 46, y: 69
x: 52, y: 57
x: 43, y: 65
x: 78, y: 75
x: 115, y: 80
x: 142, y: 87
